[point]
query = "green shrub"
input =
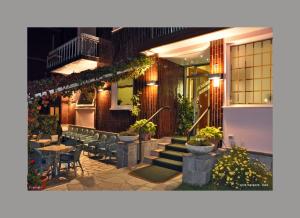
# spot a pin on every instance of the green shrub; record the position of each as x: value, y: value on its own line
x: 185, y: 115
x: 150, y: 127
x: 210, y: 132
x: 237, y: 171
x: 199, y: 142
x: 136, y: 103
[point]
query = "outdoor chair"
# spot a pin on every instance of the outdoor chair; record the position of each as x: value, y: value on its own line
x: 73, y: 133
x: 76, y: 133
x: 85, y: 134
x: 67, y: 134
x: 33, y: 145
x: 44, y: 136
x: 111, y: 150
x: 97, y: 147
x: 71, y: 158
x: 90, y: 139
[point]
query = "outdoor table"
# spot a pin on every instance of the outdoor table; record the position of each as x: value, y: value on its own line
x: 44, y: 142
x: 57, y: 150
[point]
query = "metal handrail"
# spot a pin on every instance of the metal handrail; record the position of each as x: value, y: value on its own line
x: 196, y: 123
x: 148, y: 120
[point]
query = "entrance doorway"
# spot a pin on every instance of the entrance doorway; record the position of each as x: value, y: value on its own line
x: 197, y: 91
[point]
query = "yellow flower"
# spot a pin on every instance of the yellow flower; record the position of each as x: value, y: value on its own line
x: 231, y: 173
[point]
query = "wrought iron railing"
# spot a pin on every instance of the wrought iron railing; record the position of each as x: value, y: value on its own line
x: 82, y: 45
x: 140, y: 130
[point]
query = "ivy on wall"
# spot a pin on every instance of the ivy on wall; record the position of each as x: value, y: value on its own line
x: 131, y: 68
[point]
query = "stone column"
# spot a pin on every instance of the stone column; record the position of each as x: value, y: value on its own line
x: 197, y: 168
x: 148, y: 146
x: 127, y: 154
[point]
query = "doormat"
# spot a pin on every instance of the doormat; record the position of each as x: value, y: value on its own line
x: 155, y: 174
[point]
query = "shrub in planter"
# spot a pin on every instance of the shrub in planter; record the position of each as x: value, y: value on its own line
x: 236, y: 170
x: 213, y: 134
x: 199, y: 146
x: 185, y: 115
x: 147, y: 129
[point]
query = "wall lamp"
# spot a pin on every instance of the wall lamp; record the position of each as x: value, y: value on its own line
x: 152, y: 83
x: 101, y: 89
x: 216, y: 77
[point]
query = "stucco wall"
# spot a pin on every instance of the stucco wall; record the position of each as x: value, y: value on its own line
x: 250, y: 126
x: 85, y: 118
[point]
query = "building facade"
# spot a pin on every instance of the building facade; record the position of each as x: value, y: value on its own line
x: 225, y: 72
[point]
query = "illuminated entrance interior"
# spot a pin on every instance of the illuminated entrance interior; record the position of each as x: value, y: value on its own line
x: 197, y: 91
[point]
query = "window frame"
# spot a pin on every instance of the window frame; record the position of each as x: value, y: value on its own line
x: 228, y: 73
x: 114, y: 98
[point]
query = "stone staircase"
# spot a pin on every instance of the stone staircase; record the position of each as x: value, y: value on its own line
x: 169, y: 155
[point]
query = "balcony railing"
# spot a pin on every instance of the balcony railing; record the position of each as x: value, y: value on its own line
x: 85, y: 46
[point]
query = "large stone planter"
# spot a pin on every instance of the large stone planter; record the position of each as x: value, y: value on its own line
x: 197, y: 169
x: 127, y: 154
x: 128, y: 138
x: 198, y: 150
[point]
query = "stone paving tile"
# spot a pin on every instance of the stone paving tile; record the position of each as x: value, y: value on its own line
x: 99, y: 175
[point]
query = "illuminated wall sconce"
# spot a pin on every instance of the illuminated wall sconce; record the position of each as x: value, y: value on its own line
x: 216, y: 77
x: 152, y: 83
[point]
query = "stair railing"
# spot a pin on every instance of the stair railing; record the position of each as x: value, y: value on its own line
x: 196, y: 123
x: 140, y: 130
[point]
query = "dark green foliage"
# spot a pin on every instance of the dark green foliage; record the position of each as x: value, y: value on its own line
x: 185, y: 115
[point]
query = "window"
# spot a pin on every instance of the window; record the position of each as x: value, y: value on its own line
x: 122, y: 92
x: 251, y: 73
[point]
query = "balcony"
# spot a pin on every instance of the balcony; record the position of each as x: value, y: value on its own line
x: 81, y: 53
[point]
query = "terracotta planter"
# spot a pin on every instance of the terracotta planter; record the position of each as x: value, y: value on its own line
x: 215, y: 142
x: 44, y: 180
x: 145, y: 136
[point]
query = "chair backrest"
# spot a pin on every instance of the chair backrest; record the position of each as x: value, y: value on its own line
x: 112, y: 147
x: 33, y: 145
x: 91, y: 132
x: 96, y: 136
x: 111, y: 139
x: 77, y: 152
x: 79, y: 130
x: 71, y: 129
x: 75, y: 130
x: 44, y: 136
x: 103, y: 137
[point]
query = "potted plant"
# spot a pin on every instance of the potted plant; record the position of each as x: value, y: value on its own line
x: 128, y: 135
x: 212, y: 134
x: 147, y: 129
x: 199, y: 146
x: 35, y: 179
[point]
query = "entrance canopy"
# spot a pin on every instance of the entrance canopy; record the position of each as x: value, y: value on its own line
x: 196, y: 50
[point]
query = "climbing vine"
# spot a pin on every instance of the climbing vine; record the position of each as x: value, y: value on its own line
x: 132, y: 68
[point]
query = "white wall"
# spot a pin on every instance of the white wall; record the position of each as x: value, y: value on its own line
x: 85, y: 118
x: 250, y: 126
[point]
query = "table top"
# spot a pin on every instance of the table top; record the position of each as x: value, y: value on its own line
x: 43, y: 141
x: 57, y: 148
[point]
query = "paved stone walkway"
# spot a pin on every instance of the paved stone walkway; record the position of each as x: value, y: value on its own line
x: 99, y: 175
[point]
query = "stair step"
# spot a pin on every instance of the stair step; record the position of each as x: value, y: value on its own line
x: 156, y: 152
x: 178, y: 140
x: 167, y: 163
x: 149, y: 159
x: 177, y: 147
x: 173, y: 155
x: 163, y: 144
